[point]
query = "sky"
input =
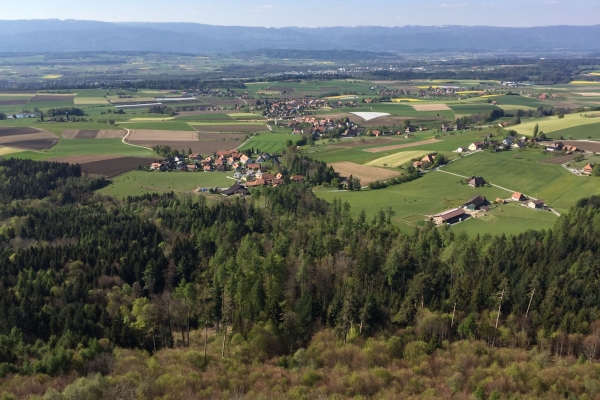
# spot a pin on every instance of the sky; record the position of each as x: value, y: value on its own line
x: 315, y: 13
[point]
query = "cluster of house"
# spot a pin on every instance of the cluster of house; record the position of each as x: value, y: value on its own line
x: 222, y: 161
x: 480, y: 203
x: 291, y: 108
x: 407, y: 131
x: 559, y: 146
x: 453, y: 127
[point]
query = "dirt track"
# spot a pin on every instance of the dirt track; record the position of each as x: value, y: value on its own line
x: 401, y: 146
x: 364, y: 173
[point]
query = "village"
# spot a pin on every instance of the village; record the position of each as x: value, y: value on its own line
x: 247, y: 171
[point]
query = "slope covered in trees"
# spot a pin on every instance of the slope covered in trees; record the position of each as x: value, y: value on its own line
x: 82, y: 274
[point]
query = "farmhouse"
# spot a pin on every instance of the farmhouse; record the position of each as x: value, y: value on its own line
x: 535, y: 204
x: 476, y: 146
x: 475, y: 203
x: 236, y: 189
x: 429, y: 158
x: 450, y: 216
x: 477, y: 181
x: 517, y: 197
x: 588, y: 169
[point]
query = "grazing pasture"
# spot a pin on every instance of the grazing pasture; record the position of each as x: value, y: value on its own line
x: 135, y: 183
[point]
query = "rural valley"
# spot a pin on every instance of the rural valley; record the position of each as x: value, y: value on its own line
x: 303, y: 224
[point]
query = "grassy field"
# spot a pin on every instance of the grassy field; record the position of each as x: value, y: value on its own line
x: 552, y: 183
x: 395, y: 160
x: 135, y: 183
x: 509, y: 218
x: 590, y: 131
x: 66, y: 147
x: 269, y: 142
x: 468, y: 109
x: 431, y: 194
x: 553, y: 124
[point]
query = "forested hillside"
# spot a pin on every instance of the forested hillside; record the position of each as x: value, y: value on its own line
x: 84, y: 277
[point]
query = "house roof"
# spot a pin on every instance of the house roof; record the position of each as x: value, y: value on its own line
x: 537, y: 202
x: 517, y: 195
x: 477, y: 181
x: 234, y: 190
x: 476, y: 201
x: 450, y: 214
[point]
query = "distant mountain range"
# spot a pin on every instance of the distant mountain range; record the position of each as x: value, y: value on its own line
x: 76, y: 35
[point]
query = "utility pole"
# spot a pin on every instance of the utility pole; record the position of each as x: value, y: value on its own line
x: 529, y: 305
x: 498, y: 317
x: 453, y: 312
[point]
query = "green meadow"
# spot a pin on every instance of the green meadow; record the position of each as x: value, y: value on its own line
x: 135, y: 183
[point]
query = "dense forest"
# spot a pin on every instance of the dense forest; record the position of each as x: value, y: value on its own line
x: 285, y: 279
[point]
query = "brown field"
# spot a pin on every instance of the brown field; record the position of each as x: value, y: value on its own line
x: 364, y: 173
x: 431, y: 107
x: 369, y: 142
x: 583, y: 145
x: 83, y: 159
x: 231, y: 128
x: 93, y: 134
x: 42, y: 144
x: 560, y: 159
x: 6, y: 140
x: 10, y: 131
x: 151, y: 135
x: 401, y: 146
x: 12, y: 102
x: 205, y: 136
x: 49, y: 97
x: 115, y: 166
x: 204, y: 148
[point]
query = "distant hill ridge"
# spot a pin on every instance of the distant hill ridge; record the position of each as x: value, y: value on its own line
x: 76, y: 35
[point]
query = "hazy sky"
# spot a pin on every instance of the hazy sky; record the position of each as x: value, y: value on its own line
x: 277, y: 13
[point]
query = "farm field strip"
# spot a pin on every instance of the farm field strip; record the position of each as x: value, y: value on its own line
x: 136, y: 135
x: 110, y: 168
x: 431, y: 107
x: 93, y: 134
x: 365, y: 173
x: 553, y: 124
x: 402, y: 146
x: 396, y: 160
x: 231, y: 128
